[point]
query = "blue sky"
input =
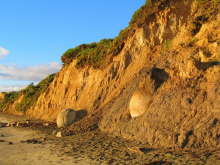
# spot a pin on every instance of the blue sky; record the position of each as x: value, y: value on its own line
x: 35, y: 33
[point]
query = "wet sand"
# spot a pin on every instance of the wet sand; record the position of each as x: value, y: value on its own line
x: 25, y: 146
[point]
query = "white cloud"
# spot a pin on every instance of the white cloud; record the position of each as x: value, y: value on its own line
x: 3, y: 52
x: 7, y: 88
x: 31, y: 73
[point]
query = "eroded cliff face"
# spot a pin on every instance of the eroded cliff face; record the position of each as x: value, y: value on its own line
x: 174, y: 57
x: 89, y: 89
x: 11, y: 108
x: 185, y: 76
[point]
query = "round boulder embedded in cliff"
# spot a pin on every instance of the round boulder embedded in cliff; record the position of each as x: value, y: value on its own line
x: 66, y: 117
x: 139, y: 103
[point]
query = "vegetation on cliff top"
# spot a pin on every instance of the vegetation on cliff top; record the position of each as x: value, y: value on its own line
x: 9, y: 98
x: 90, y: 54
x: 93, y: 54
x: 29, y: 95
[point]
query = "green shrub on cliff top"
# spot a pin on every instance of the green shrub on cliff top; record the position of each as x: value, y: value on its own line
x: 32, y: 92
x: 88, y: 54
x: 140, y: 15
x: 29, y: 95
x: 93, y: 54
x: 9, y: 98
x: 73, y: 53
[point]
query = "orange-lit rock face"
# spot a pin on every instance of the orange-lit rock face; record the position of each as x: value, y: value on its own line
x: 139, y: 103
x: 1, y: 96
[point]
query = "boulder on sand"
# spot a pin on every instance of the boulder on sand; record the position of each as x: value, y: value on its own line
x: 66, y: 117
x: 139, y: 103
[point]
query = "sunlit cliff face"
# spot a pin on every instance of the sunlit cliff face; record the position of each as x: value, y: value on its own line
x: 173, y: 57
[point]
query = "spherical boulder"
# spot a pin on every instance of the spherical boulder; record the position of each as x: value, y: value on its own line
x: 139, y: 103
x: 66, y: 117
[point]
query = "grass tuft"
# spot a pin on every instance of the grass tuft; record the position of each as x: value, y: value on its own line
x: 30, y: 95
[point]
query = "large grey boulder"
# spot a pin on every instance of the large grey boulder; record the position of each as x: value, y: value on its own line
x: 139, y: 103
x: 66, y: 117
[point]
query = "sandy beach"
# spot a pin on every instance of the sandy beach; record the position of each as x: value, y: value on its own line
x: 34, y: 146
x: 24, y: 146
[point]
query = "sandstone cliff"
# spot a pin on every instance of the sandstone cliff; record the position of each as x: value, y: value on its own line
x: 172, y: 53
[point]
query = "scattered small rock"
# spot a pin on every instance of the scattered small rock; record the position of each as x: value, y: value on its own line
x: 18, y: 124
x: 2, y: 135
x: 10, y: 143
x: 32, y: 141
x: 8, y: 125
x: 46, y: 124
x: 134, y: 149
x: 59, y: 134
x: 44, y: 139
x: 3, y: 125
x: 160, y: 163
x: 12, y: 124
x: 54, y: 132
x: 2, y: 141
x: 146, y: 150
